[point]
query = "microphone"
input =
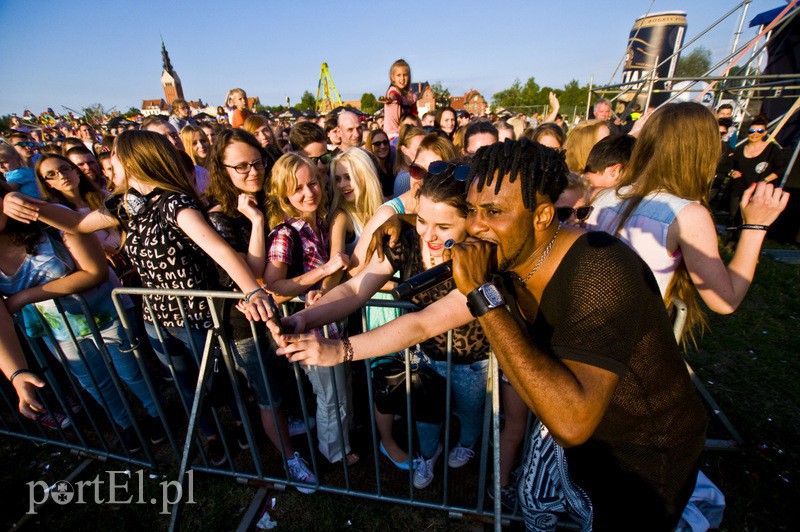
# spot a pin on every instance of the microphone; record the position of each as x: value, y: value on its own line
x: 425, y: 280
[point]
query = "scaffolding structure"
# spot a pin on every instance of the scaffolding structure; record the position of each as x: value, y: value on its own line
x: 747, y: 89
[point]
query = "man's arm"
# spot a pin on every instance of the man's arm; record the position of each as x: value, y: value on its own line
x: 569, y: 397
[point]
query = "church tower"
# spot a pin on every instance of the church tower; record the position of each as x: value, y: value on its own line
x: 169, y: 78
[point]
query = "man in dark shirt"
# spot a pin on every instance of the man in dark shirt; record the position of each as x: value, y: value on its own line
x: 584, y: 339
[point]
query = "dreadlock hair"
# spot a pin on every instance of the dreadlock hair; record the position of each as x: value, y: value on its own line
x: 541, y: 169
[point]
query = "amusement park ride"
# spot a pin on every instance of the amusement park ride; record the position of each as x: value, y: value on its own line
x: 328, y: 97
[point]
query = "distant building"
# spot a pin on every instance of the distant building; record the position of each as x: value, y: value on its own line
x: 169, y: 78
x: 355, y: 104
x: 426, y: 99
x: 474, y: 103
x: 154, y: 107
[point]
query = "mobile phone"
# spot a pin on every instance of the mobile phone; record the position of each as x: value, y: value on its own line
x: 276, y: 314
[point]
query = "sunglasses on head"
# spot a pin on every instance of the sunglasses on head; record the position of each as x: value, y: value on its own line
x: 758, y: 130
x: 460, y: 171
x: 325, y: 158
x: 581, y: 213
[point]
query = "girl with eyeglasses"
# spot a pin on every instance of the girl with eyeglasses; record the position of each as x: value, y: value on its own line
x: 237, y: 193
x: 660, y: 210
x: 757, y: 160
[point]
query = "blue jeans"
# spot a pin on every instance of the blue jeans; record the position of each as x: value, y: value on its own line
x: 179, y: 351
x: 469, y: 392
x: 124, y: 363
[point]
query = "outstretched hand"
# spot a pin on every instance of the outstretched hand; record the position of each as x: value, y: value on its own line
x: 21, y: 207
x: 25, y: 384
x: 391, y: 227
x: 762, y: 203
x: 312, y: 350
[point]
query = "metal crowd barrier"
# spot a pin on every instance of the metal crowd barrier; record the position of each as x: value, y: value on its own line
x: 461, y: 493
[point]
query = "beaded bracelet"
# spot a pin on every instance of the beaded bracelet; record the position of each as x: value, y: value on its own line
x: 348, y: 350
x: 19, y: 372
x: 251, y: 294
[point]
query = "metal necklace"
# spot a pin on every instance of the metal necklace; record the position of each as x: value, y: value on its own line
x: 539, y: 263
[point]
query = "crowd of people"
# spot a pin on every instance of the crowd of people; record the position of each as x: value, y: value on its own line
x: 567, y: 247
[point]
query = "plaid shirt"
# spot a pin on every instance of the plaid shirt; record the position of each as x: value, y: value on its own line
x: 315, y: 250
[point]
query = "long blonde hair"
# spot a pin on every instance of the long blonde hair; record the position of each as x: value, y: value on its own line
x: 580, y: 142
x: 187, y: 137
x: 677, y: 152
x: 282, y: 184
x: 366, y: 185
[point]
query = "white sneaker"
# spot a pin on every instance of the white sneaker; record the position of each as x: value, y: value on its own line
x: 423, y: 474
x: 299, y: 471
x: 297, y: 426
x: 459, y: 456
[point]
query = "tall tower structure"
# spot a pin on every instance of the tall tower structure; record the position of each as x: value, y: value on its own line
x: 169, y: 78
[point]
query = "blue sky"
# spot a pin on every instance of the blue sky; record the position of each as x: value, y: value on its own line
x: 77, y: 52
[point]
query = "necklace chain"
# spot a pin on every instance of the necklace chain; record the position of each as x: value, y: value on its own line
x: 539, y: 263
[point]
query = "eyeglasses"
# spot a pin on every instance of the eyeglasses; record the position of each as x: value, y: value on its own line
x: 381, y: 143
x: 758, y: 130
x: 244, y: 168
x: 61, y: 170
x: 325, y: 158
x: 581, y: 213
x: 25, y: 144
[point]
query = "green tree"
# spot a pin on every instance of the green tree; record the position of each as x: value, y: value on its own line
x: 694, y: 64
x: 510, y: 97
x: 131, y: 112
x: 307, y: 102
x: 573, y: 94
x: 442, y: 95
x: 369, y: 104
x: 95, y: 113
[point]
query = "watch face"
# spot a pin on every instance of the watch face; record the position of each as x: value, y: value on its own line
x: 492, y: 295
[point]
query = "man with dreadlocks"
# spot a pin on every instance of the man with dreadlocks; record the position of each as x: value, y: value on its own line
x: 584, y: 337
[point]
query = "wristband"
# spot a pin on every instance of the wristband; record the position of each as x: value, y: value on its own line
x: 19, y: 372
x: 348, y: 350
x: 755, y: 227
x: 251, y: 294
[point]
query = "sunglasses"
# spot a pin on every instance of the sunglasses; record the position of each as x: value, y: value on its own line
x: 581, y: 213
x: 25, y: 144
x: 325, y: 158
x: 460, y: 171
x: 758, y: 130
x: 381, y: 143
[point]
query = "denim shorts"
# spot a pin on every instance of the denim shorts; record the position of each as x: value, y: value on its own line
x: 246, y: 356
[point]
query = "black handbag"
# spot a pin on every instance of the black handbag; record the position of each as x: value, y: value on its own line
x: 428, y: 389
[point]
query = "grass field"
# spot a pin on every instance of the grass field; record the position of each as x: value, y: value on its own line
x: 747, y: 360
